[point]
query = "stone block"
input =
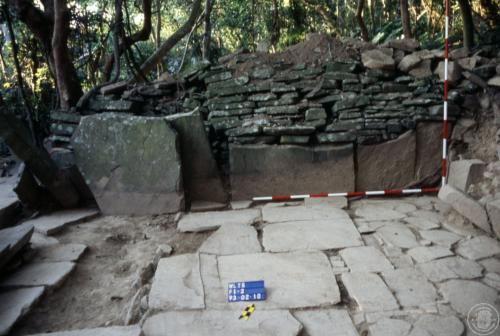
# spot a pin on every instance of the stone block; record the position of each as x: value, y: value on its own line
x: 12, y: 240
x: 465, y: 206
x: 258, y: 170
x: 131, y: 164
x: 201, y: 176
x: 57, y: 221
x: 389, y: 165
x: 377, y: 59
x: 454, y: 72
x: 463, y: 173
x: 133, y: 330
x: 49, y: 274
x: 206, y: 221
x: 325, y: 322
x: 15, y: 304
x: 429, y: 151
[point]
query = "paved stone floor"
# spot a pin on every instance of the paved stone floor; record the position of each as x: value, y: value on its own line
x: 379, y: 267
x: 391, y: 267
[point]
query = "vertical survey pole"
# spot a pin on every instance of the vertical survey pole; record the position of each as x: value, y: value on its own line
x: 445, y: 96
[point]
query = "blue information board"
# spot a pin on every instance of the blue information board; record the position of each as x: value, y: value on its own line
x: 246, y: 291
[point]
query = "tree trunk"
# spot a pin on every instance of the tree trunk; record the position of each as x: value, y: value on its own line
x: 405, y: 18
x: 468, y: 33
x: 158, y: 33
x: 361, y: 22
x: 141, y: 35
x: 208, y: 30
x: 166, y: 46
x: 37, y: 160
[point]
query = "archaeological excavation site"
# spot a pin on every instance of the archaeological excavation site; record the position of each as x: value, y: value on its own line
x: 260, y: 168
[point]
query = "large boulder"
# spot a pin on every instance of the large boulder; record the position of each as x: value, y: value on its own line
x: 202, y: 181
x: 264, y: 170
x: 131, y: 164
x: 454, y: 71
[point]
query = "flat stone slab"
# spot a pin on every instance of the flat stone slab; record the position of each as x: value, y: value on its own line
x: 377, y: 212
x: 206, y: 221
x: 440, y: 237
x: 293, y: 280
x: 201, y: 206
x: 450, y: 268
x: 440, y: 325
x: 464, y: 294
x: 410, y: 287
x: 280, y: 214
x: 177, y: 284
x: 240, y: 205
x: 39, y: 240
x: 232, y: 239
x: 423, y: 254
x: 222, y: 323
x: 15, y: 304
x: 333, y: 202
x: 54, y: 223
x: 365, y: 259
x: 422, y: 223
x: 478, y: 248
x: 390, y: 327
x: 12, y: 240
x: 108, y: 331
x: 62, y: 252
x: 324, y: 234
x: 398, y: 235
x: 326, y: 322
x: 50, y: 274
x: 369, y: 291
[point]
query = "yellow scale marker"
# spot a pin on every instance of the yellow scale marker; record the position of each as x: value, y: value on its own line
x: 247, y: 312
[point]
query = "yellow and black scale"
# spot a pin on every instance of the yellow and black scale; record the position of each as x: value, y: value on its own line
x: 245, y: 315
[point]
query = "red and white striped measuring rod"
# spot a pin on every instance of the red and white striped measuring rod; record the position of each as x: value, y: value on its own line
x: 395, y: 192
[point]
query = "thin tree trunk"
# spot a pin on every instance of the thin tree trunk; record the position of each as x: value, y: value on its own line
x: 166, y: 46
x: 405, y: 18
x: 208, y: 30
x: 361, y: 22
x: 28, y: 110
x: 159, y: 68
x: 468, y: 24
x: 68, y: 84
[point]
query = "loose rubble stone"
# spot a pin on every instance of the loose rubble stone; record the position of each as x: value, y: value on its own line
x: 386, y: 327
x: 377, y: 59
x: 493, y: 209
x: 57, y: 221
x: 39, y: 274
x: 437, y: 325
x: 12, y: 240
x: 206, y: 221
x: 454, y: 71
x: 410, y: 287
x: 177, y: 284
x: 324, y: 234
x: 63, y: 252
x: 464, y: 294
x: 440, y: 237
x: 232, y: 239
x: 409, y: 62
x: 369, y: 291
x: 463, y: 173
x: 326, y: 322
x: 450, y: 268
x: 365, y: 259
x: 478, y: 248
x: 107, y: 331
x: 424, y: 254
x: 398, y: 235
x: 223, y: 323
x: 139, y: 176
x: 465, y: 206
x: 15, y: 304
x: 293, y: 280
